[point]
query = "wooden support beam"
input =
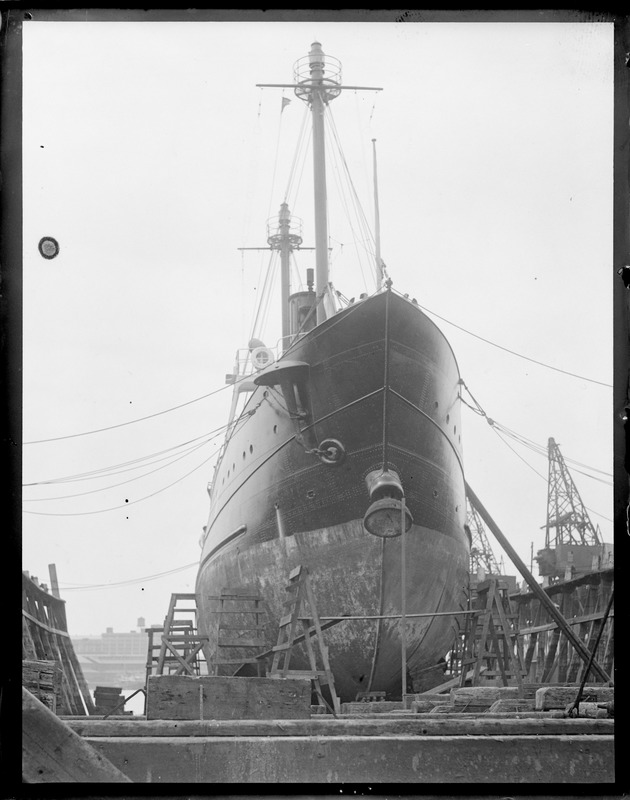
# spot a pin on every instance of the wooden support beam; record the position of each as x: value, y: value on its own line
x: 538, y: 724
x: 579, y: 646
x: 53, y: 753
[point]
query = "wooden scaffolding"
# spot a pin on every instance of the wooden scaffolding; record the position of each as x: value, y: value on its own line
x: 45, y: 638
x: 176, y: 647
x: 549, y: 656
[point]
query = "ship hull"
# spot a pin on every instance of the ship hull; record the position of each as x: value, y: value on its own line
x: 384, y: 383
x: 356, y: 574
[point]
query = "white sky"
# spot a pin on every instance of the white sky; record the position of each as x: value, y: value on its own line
x: 150, y: 155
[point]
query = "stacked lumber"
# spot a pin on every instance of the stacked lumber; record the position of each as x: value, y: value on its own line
x: 377, y: 707
x: 530, y: 700
x: 107, y: 698
x: 43, y: 680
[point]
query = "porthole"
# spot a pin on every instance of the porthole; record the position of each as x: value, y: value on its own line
x: 275, y: 429
x: 448, y: 418
x: 436, y: 404
x: 244, y: 454
x: 455, y: 429
x: 251, y: 448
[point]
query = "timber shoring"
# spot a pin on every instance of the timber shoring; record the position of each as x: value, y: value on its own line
x: 45, y: 637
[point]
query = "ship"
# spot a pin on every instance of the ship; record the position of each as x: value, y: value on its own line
x: 344, y: 443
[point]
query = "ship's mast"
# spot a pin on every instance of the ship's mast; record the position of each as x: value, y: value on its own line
x: 284, y: 235
x: 317, y: 81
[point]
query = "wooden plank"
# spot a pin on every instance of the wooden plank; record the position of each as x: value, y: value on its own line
x: 220, y: 697
x: 551, y: 697
x: 326, y: 725
x: 480, y: 696
x: 452, y: 683
x: 53, y: 753
x: 242, y: 643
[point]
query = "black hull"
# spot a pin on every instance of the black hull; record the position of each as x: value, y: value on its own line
x: 274, y: 505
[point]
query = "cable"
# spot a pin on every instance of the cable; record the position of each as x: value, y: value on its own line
x: 83, y: 587
x: 126, y: 504
x: 529, y: 443
x: 512, y: 352
x: 122, y: 483
x: 497, y: 428
x: 133, y: 421
x: 116, y: 468
x: 545, y: 478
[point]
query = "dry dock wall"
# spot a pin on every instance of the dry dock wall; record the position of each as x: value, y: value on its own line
x: 362, y: 759
x: 359, y: 751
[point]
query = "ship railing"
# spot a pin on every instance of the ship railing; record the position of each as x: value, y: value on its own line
x: 250, y: 361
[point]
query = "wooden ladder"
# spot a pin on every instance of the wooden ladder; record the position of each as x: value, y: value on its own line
x: 495, y: 644
x: 299, y: 589
x: 175, y: 648
x: 241, y: 615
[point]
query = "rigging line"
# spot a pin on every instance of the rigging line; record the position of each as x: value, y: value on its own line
x: 264, y: 294
x: 114, y: 470
x: 355, y: 235
x: 81, y: 587
x: 275, y: 163
x: 122, y: 483
x: 530, y: 443
x: 361, y: 216
x: 514, y: 353
x: 538, y: 449
x: 349, y: 218
x: 361, y: 234
x: 543, y: 449
x: 533, y: 469
x: 266, y: 301
x: 124, y: 505
x: 293, y: 200
x: 365, y: 234
x: 297, y: 153
x: 544, y: 477
x: 132, y: 421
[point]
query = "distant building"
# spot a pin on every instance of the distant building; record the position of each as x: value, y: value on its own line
x: 114, y: 659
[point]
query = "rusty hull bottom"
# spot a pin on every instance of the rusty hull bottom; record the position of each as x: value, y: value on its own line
x: 353, y: 573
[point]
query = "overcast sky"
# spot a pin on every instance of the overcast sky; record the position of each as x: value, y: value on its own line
x: 151, y: 156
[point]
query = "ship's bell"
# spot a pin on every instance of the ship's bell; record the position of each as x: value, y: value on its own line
x: 384, y: 516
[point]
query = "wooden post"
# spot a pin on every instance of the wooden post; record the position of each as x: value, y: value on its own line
x: 403, y: 605
x: 54, y: 584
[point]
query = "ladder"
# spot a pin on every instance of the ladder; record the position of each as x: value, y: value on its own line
x: 241, y: 615
x: 494, y: 644
x: 175, y: 648
x: 298, y: 590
